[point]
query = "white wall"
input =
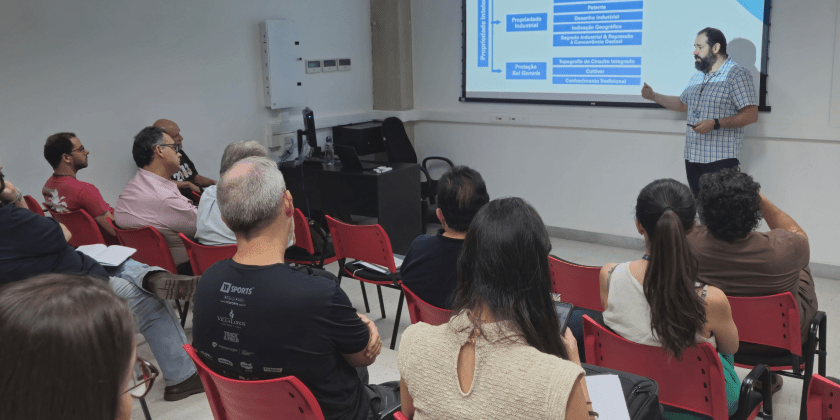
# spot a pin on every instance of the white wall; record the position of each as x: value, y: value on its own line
x: 107, y: 68
x: 583, y: 167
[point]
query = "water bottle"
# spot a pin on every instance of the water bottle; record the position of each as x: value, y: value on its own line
x: 329, y: 152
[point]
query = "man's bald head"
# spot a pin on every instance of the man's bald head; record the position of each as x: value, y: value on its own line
x: 170, y: 128
x: 250, y: 195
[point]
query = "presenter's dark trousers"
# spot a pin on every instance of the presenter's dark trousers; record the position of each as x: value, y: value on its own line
x: 694, y: 170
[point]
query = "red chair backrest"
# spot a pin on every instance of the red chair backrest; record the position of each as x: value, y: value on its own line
x: 303, y: 237
x: 151, y: 247
x: 420, y: 311
x: 399, y: 416
x: 83, y: 228
x: 232, y: 399
x: 576, y: 284
x: 203, y: 256
x: 823, y: 399
x: 769, y: 320
x: 695, y: 383
x: 196, y: 197
x: 367, y: 243
x: 33, y: 205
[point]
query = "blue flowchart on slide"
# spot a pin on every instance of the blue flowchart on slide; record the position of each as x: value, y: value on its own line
x: 570, y: 25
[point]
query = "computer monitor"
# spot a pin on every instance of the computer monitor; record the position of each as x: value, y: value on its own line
x: 308, y: 130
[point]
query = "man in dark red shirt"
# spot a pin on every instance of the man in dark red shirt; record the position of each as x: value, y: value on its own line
x: 63, y: 192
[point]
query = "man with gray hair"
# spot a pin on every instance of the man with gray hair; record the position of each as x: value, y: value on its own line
x: 210, y: 229
x: 257, y: 318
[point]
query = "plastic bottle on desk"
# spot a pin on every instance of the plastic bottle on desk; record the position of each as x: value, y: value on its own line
x: 329, y: 151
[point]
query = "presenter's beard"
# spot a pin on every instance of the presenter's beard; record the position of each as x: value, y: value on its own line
x: 705, y: 63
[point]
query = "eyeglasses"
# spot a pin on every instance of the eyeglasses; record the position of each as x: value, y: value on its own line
x: 80, y: 149
x: 143, y: 376
x: 175, y: 146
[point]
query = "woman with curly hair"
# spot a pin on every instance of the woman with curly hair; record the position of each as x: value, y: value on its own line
x: 659, y: 300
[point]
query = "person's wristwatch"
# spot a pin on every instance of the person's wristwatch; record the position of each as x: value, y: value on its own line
x: 717, y: 124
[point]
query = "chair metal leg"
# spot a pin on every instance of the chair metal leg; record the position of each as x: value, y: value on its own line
x: 381, y: 302
x: 145, y: 409
x: 397, y: 321
x: 182, y: 312
x: 364, y: 296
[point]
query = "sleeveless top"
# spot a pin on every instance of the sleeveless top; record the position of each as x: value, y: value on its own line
x: 511, y: 379
x: 628, y: 311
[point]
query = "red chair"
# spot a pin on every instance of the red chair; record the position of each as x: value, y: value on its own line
x: 420, y: 311
x: 369, y: 244
x: 576, y: 284
x: 823, y: 398
x: 774, y: 321
x: 399, y: 416
x: 153, y: 250
x: 33, y: 205
x: 303, y: 252
x: 84, y: 229
x: 695, y: 383
x: 203, y: 256
x: 196, y: 197
x: 233, y: 399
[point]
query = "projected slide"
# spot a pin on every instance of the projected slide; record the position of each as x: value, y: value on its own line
x: 598, y: 50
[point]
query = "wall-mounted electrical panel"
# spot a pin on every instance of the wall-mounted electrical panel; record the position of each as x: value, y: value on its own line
x: 313, y: 66
x: 343, y: 64
x: 282, y: 73
x: 329, y: 65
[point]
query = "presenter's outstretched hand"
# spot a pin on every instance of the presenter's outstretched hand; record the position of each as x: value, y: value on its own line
x: 647, y: 92
x: 705, y: 126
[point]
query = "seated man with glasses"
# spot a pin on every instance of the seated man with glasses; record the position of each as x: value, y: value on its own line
x: 63, y: 192
x: 151, y: 199
x: 31, y: 245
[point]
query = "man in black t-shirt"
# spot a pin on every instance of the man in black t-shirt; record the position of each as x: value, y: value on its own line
x: 257, y: 318
x: 430, y: 268
x: 187, y: 177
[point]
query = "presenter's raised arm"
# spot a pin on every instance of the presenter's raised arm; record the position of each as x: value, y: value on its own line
x: 671, y: 102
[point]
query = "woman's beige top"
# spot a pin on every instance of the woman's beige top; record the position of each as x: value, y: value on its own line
x: 512, y: 380
x: 628, y: 311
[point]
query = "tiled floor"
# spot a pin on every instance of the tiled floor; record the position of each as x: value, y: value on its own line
x: 785, y: 403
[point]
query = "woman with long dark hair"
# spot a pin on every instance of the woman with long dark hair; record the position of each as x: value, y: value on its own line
x: 67, y: 343
x: 501, y: 355
x: 658, y: 300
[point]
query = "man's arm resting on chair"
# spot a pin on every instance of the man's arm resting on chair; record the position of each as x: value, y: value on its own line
x: 367, y: 356
x: 104, y: 223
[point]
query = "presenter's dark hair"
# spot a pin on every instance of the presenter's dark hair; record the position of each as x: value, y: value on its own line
x: 730, y: 206
x: 504, y: 268
x: 461, y: 193
x: 715, y: 36
x: 666, y: 210
x: 144, y: 145
x: 57, y: 146
x: 66, y: 347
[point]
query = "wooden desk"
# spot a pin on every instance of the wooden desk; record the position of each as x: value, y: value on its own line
x: 393, y: 197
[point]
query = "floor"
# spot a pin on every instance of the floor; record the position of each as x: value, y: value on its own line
x: 785, y: 402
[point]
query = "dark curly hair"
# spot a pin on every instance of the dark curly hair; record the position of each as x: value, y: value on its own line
x: 729, y: 204
x: 144, y: 143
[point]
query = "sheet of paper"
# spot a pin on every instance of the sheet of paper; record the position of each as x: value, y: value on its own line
x: 398, y: 259
x: 607, y: 397
x: 110, y: 256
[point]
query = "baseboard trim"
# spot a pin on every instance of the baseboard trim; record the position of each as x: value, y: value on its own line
x: 596, y: 238
x: 825, y: 271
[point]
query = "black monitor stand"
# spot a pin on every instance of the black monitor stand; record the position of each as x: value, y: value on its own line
x: 315, y: 156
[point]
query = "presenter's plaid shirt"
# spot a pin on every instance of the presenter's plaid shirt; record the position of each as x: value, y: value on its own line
x: 717, y: 95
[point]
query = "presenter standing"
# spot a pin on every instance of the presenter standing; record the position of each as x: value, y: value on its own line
x: 720, y: 102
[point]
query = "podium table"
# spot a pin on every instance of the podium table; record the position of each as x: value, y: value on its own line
x: 392, y: 197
